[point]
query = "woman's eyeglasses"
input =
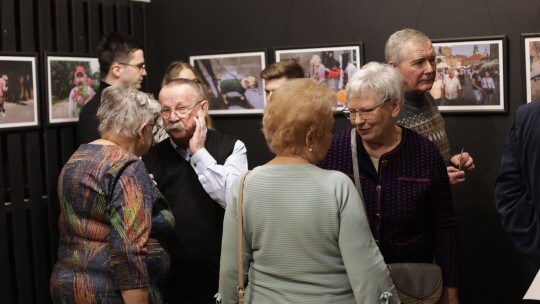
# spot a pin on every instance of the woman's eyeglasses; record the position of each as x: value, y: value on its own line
x: 364, y: 114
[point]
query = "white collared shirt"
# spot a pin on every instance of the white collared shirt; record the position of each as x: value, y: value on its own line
x: 217, y: 179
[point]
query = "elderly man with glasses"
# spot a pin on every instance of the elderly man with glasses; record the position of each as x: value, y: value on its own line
x: 121, y: 63
x: 401, y: 174
x: 194, y: 169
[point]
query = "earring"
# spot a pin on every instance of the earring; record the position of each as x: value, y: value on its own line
x: 311, y: 149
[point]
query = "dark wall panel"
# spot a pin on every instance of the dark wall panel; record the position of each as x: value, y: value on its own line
x: 122, y: 18
x: 45, y: 36
x: 20, y: 231
x: 52, y: 166
x: 94, y: 24
x: 109, y: 16
x: 78, y: 23
x: 27, y: 24
x: 63, y: 29
x: 7, y: 21
x: 5, y: 260
x: 38, y: 217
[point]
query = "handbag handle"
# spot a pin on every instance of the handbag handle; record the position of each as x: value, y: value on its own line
x: 240, y: 287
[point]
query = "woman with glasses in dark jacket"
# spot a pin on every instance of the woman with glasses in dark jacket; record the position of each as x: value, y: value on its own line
x: 401, y: 174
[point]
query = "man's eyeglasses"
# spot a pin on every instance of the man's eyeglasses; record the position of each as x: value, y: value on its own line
x: 179, y: 112
x: 364, y: 114
x: 140, y: 66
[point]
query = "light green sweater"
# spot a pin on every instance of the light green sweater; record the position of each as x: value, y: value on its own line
x: 306, y: 240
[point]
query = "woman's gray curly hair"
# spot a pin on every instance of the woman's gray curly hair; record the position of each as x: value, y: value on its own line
x: 122, y: 111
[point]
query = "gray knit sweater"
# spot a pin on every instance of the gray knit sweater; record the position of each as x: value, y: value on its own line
x: 420, y: 113
x: 306, y: 240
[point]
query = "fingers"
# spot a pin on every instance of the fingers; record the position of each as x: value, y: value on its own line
x: 456, y: 177
x: 152, y: 178
x: 467, y: 162
x: 198, y: 139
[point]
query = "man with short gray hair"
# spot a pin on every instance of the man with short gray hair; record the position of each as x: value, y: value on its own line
x: 411, y: 53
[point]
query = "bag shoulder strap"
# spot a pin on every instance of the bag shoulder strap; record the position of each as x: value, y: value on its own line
x: 356, y: 170
x: 240, y: 288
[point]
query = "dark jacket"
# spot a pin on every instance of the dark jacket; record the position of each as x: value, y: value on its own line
x: 517, y: 187
x: 408, y: 201
x: 87, y: 127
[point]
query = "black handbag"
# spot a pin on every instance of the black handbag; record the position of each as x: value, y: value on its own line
x: 417, y: 282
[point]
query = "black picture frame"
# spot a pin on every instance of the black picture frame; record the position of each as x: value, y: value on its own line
x: 531, y: 65
x: 463, y: 56
x: 233, y: 80
x: 66, y: 92
x: 316, y: 60
x: 20, y: 91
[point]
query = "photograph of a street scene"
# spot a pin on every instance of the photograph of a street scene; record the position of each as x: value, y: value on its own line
x: 469, y: 76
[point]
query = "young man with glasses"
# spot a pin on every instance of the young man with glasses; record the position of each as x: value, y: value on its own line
x: 121, y: 63
x: 194, y: 169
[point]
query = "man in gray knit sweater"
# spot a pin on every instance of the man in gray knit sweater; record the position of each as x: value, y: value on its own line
x: 412, y: 54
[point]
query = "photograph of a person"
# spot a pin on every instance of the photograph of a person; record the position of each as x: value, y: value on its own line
x: 532, y: 65
x: 71, y: 83
x: 331, y: 66
x: 18, y: 96
x: 233, y: 81
x: 469, y: 76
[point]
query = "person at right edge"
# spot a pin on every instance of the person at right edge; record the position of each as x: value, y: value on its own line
x: 517, y: 187
x: 411, y: 53
x: 305, y: 231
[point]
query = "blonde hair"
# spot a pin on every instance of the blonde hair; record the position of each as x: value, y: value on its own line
x: 297, y: 106
x: 175, y: 68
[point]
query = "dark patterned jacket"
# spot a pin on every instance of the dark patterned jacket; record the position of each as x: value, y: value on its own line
x: 408, y: 201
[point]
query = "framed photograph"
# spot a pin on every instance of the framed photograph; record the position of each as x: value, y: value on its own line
x: 71, y: 82
x: 470, y: 75
x: 330, y: 65
x: 531, y: 58
x: 233, y: 81
x: 18, y: 91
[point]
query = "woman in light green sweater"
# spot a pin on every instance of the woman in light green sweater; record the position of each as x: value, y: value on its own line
x: 306, y: 235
